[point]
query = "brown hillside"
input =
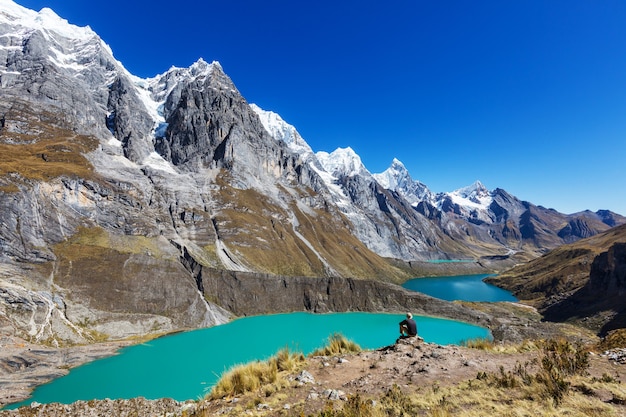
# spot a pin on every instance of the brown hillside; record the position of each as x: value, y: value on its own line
x: 547, y: 282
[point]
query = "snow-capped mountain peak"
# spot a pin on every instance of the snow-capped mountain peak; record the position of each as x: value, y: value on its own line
x: 475, y: 190
x: 162, y: 85
x: 475, y: 195
x: 45, y: 20
x: 201, y: 67
x: 283, y: 131
x: 397, y: 178
x: 394, y: 176
x: 342, y: 162
x: 69, y: 46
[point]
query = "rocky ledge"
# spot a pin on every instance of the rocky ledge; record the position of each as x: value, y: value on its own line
x: 23, y: 365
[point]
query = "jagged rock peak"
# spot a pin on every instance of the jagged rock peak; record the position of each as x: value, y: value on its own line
x: 160, y: 86
x: 475, y: 190
x: 67, y: 43
x: 397, y: 178
x: 202, y: 66
x: 46, y: 20
x: 197, y: 69
x: 282, y: 131
x: 342, y: 162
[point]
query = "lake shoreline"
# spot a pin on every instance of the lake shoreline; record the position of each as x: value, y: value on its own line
x: 143, y: 362
x: 508, y: 322
x: 329, y: 294
x: 27, y: 365
x: 446, y: 365
x: 472, y: 287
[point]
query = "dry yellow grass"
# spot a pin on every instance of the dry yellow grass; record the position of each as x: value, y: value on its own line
x: 267, y: 375
x: 337, y: 345
x: 48, y: 158
x: 35, y: 145
x: 614, y: 339
x: 555, y: 384
x: 261, y: 375
x: 89, y: 242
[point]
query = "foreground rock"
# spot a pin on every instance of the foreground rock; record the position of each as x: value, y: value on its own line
x: 120, y: 408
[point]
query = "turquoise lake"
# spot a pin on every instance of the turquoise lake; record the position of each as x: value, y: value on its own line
x: 185, y: 365
x: 459, y: 287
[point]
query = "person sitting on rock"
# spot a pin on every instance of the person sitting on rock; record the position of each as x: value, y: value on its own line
x: 408, y: 327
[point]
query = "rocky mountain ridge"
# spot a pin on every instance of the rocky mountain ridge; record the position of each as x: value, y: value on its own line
x: 121, y: 197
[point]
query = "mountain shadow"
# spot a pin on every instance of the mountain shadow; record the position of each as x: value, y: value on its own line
x: 601, y: 303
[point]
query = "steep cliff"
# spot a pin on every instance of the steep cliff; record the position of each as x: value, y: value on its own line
x: 602, y: 300
x: 118, y: 194
x: 583, y: 282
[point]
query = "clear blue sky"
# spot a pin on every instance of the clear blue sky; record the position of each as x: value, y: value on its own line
x: 526, y: 95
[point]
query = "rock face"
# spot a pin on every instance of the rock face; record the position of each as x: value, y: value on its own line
x: 608, y: 271
x: 121, y: 197
x: 269, y: 294
x: 602, y: 301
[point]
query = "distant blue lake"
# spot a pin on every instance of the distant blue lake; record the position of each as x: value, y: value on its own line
x: 459, y: 287
x: 183, y: 366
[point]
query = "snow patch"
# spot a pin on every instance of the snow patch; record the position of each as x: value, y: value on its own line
x: 282, y: 131
x: 114, y: 142
x: 342, y: 162
x: 156, y: 161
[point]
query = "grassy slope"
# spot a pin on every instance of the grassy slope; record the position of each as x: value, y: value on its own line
x: 34, y: 148
x: 261, y: 234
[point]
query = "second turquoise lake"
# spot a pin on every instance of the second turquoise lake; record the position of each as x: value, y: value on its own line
x: 459, y: 287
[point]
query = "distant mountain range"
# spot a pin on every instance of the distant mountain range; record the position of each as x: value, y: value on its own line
x: 119, y: 195
x: 503, y: 224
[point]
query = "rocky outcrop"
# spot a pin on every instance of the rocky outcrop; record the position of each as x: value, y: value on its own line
x: 121, y: 408
x: 608, y: 272
x: 210, y: 125
x: 129, y: 120
x: 601, y: 303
